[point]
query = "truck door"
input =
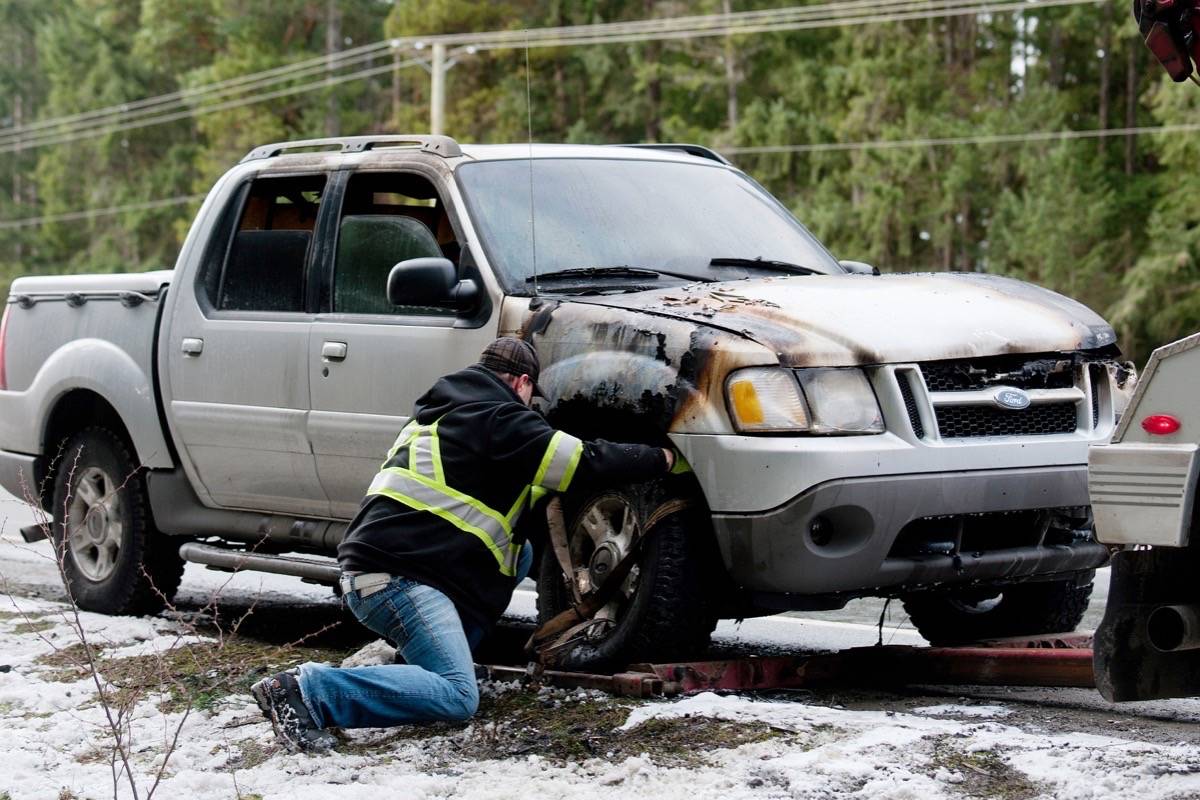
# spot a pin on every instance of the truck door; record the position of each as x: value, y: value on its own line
x: 237, y: 357
x: 369, y: 360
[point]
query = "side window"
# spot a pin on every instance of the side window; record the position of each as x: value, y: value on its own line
x: 387, y: 218
x: 264, y: 270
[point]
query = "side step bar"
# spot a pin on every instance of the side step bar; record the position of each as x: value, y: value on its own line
x: 310, y: 569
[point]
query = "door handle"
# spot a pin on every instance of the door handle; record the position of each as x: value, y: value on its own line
x: 334, y: 351
x: 192, y: 347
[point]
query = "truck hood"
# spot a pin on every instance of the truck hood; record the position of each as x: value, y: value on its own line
x: 848, y: 320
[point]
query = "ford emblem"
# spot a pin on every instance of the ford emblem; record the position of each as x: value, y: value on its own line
x: 1013, y: 399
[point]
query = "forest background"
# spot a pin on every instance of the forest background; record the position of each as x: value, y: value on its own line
x: 1108, y: 220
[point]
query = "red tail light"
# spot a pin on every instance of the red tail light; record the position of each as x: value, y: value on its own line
x: 1160, y: 424
x: 3, y: 330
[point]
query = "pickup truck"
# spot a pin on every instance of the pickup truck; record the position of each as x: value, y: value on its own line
x: 920, y: 436
x: 1143, y: 486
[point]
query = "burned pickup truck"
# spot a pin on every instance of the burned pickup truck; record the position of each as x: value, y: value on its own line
x: 920, y: 436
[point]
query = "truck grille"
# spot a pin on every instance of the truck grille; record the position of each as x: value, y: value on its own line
x: 963, y: 393
x: 957, y: 422
x: 1022, y: 372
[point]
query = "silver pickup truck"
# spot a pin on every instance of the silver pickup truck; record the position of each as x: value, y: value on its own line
x: 921, y: 436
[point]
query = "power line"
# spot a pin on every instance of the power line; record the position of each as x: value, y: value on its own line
x: 225, y: 106
x: 147, y: 112
x: 952, y: 141
x: 365, y: 52
x: 92, y: 213
x: 374, y: 49
x: 880, y: 144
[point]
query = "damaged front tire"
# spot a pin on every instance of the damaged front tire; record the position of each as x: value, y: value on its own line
x: 660, y: 611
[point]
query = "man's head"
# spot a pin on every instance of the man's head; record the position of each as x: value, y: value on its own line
x: 516, y: 362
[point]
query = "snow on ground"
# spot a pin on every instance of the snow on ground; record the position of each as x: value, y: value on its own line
x: 53, y: 734
x: 53, y: 737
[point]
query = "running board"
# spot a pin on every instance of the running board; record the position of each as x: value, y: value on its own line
x: 310, y: 569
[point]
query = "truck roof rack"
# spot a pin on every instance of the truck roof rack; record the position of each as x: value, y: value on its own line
x: 698, y: 150
x: 444, y: 146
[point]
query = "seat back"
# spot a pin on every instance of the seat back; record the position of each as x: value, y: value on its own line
x: 265, y: 271
x: 369, y: 245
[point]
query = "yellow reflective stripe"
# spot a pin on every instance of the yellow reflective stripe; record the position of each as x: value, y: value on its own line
x: 463, y: 512
x: 537, y: 493
x: 572, y: 465
x: 412, y: 448
x: 515, y: 511
x: 559, y: 463
x: 454, y: 494
x: 435, y: 453
x: 401, y: 439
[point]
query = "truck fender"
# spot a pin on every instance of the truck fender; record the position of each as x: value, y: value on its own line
x: 101, y: 367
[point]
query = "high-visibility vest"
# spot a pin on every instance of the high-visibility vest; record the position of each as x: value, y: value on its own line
x: 413, y: 476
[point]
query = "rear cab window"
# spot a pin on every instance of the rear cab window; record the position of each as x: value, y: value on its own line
x: 265, y: 265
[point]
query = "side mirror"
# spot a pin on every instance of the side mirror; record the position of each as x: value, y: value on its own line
x: 430, y: 282
x: 859, y: 268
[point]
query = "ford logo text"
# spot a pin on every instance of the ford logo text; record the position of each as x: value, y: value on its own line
x: 1013, y: 399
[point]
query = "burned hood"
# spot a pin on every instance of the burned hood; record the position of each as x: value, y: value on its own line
x: 845, y: 320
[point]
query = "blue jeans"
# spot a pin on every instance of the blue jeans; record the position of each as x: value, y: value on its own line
x: 436, y: 683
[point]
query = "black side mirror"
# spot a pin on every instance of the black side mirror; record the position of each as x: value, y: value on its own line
x: 859, y: 268
x: 430, y: 282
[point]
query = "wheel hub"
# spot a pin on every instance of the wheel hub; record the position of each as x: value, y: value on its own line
x: 602, y: 537
x: 94, y: 524
x: 97, y: 523
x: 606, y: 557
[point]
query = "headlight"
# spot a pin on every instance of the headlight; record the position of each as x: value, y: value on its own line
x: 840, y: 401
x: 770, y: 400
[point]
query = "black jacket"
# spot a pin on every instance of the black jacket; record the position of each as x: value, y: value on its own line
x: 491, y: 446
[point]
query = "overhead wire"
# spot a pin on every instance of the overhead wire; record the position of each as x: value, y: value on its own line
x: 1035, y: 136
x: 951, y: 141
x: 170, y: 107
x: 375, y: 49
x: 174, y: 106
x: 71, y: 216
x: 211, y: 109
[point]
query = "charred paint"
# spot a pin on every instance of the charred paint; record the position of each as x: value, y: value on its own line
x: 656, y: 361
x: 858, y: 321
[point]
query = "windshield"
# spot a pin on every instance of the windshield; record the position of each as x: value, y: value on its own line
x: 659, y: 215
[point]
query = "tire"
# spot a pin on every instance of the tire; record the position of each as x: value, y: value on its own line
x: 1027, y: 609
x: 663, y: 613
x: 114, y: 561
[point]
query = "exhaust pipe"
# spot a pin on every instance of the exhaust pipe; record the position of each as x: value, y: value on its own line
x: 310, y: 569
x: 1173, y: 628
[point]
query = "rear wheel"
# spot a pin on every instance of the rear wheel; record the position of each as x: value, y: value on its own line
x: 1026, y: 609
x: 113, y: 559
x: 660, y: 611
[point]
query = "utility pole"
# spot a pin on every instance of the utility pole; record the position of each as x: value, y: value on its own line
x: 437, y: 88
x: 333, y: 43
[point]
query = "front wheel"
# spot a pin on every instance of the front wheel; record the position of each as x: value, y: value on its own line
x: 1025, y: 609
x: 113, y: 559
x: 661, y: 610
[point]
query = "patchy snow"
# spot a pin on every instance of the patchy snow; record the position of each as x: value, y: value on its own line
x: 53, y: 736
x: 952, y: 710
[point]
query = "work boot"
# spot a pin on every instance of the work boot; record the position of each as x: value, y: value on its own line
x: 281, y: 702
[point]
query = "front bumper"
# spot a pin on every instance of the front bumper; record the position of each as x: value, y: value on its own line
x: 779, y: 553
